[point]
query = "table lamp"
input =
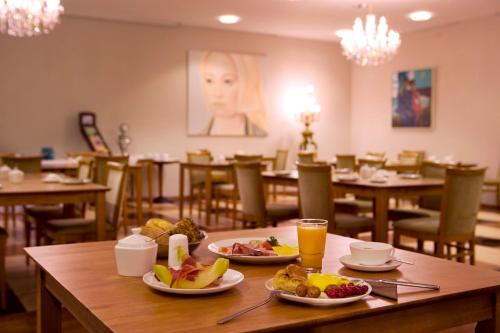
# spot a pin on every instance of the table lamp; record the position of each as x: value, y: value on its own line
x: 308, y: 113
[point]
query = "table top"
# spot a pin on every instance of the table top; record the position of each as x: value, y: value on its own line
x: 394, y: 181
x: 33, y: 184
x: 166, y: 161
x: 88, y: 272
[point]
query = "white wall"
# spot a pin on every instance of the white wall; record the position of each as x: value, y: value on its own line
x: 136, y: 74
x: 466, y: 57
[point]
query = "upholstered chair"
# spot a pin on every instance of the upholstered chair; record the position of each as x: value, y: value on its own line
x: 252, y: 194
x: 455, y: 227
x: 346, y: 162
x: 316, y: 202
x: 306, y: 157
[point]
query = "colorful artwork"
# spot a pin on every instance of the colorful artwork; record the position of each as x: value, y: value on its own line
x: 225, y: 94
x: 412, y: 98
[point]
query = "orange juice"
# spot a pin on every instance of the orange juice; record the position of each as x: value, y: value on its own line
x: 312, y: 238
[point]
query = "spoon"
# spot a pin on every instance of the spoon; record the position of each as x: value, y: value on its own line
x: 392, y: 259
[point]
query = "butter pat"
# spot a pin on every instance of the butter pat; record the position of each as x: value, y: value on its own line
x: 177, y: 248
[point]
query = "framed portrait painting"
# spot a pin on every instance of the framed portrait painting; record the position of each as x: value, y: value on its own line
x: 225, y: 94
x: 412, y: 96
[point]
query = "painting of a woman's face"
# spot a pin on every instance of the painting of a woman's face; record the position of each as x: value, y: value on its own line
x: 220, y: 84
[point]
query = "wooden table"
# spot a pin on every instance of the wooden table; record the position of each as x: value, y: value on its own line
x: 395, y: 187
x: 160, y: 163
x: 33, y: 191
x: 82, y: 278
x: 208, y: 168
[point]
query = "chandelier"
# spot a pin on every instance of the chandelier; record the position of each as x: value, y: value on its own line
x: 21, y: 18
x: 372, y: 44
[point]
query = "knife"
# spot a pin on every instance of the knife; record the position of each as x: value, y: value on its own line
x: 389, y: 288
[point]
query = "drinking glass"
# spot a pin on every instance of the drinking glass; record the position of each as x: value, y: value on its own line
x: 312, y: 237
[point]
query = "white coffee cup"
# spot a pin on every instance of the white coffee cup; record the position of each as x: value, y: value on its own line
x: 371, y: 253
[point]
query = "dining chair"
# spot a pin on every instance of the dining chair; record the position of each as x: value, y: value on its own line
x: 27, y: 164
x: 316, y: 202
x: 304, y: 157
x: 3, y: 275
x: 376, y: 155
x: 101, y: 166
x: 279, y: 164
x: 36, y: 216
x: 76, y: 229
x: 5, y: 154
x: 421, y: 154
x: 428, y: 205
x: 6, y: 209
x: 252, y: 193
x: 408, y: 158
x: 455, y: 227
x: 228, y: 192
x: 493, y: 185
x: 346, y: 162
x: 79, y: 154
x: 197, y: 178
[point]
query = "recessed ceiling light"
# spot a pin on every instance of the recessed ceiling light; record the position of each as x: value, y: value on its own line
x: 228, y: 19
x: 420, y: 16
x: 342, y: 32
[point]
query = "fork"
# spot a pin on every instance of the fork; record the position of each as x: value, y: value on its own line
x: 271, y: 295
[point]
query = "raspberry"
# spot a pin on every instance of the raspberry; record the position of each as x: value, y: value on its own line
x: 364, y: 289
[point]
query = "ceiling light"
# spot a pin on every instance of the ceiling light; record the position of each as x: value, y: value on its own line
x: 420, y: 16
x: 343, y: 32
x: 228, y: 19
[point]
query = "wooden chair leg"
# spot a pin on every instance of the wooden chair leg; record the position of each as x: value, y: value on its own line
x: 461, y: 252
x: 235, y: 207
x: 3, y: 282
x: 191, y: 195
x: 125, y: 213
x: 6, y: 217
x: 217, y: 201
x: 472, y: 249
x: 199, y: 198
x: 439, y: 250
x: 420, y: 245
x: 226, y: 200
x: 27, y: 238
x: 150, y: 186
x: 396, y: 238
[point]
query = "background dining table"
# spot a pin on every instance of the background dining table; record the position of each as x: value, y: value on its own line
x: 396, y: 186
x: 34, y: 191
x: 83, y: 278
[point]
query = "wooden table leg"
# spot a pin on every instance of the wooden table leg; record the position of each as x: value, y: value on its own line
x: 493, y: 324
x: 48, y: 307
x: 181, y: 191
x: 381, y: 215
x: 208, y: 195
x: 100, y: 215
x: 138, y: 196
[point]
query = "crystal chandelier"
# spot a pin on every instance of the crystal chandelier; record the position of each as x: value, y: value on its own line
x: 21, y: 18
x: 372, y: 44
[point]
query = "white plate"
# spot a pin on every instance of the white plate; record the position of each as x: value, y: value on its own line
x: 348, y: 262
x: 282, y: 172
x: 230, y: 279
x: 74, y: 181
x: 323, y: 300
x: 343, y: 171
x: 214, y: 247
x: 378, y: 180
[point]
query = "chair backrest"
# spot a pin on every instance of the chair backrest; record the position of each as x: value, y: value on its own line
x: 247, y: 158
x: 75, y: 154
x: 346, y: 162
x: 251, y: 189
x: 378, y: 164
x: 85, y: 168
x: 462, y: 195
x: 116, y: 176
x: 101, y: 169
x: 379, y: 155
x: 419, y: 153
x: 281, y: 159
x: 408, y: 157
x: 306, y: 157
x: 200, y: 157
x: 430, y: 169
x: 315, y: 191
x: 28, y: 164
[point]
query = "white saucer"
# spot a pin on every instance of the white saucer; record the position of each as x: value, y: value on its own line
x: 348, y: 262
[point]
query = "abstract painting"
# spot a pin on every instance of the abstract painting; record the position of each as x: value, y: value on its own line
x: 412, y: 94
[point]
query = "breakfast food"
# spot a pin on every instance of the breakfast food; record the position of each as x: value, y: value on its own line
x: 258, y: 248
x: 289, y: 278
x: 192, y: 274
x: 294, y: 279
x: 155, y: 227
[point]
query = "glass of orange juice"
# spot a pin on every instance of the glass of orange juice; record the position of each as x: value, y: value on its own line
x: 312, y: 238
